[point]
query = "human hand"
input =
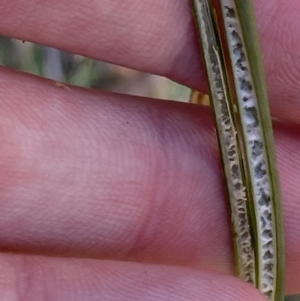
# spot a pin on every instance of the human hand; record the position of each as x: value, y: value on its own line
x: 98, y: 190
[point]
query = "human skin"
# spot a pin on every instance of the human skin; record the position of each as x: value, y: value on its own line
x: 113, y: 197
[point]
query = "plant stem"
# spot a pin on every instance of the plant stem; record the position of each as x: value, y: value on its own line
x: 254, y: 187
x: 227, y: 137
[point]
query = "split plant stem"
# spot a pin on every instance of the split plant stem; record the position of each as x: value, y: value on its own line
x: 253, y: 190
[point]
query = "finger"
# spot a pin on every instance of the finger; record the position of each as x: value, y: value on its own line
x: 158, y: 37
x: 37, y: 278
x: 100, y: 175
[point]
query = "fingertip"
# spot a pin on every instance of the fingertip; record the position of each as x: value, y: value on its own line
x: 43, y: 278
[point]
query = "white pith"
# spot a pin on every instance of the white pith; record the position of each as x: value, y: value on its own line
x: 255, y: 149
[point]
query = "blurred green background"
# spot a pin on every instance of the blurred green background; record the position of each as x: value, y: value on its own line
x: 77, y: 70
